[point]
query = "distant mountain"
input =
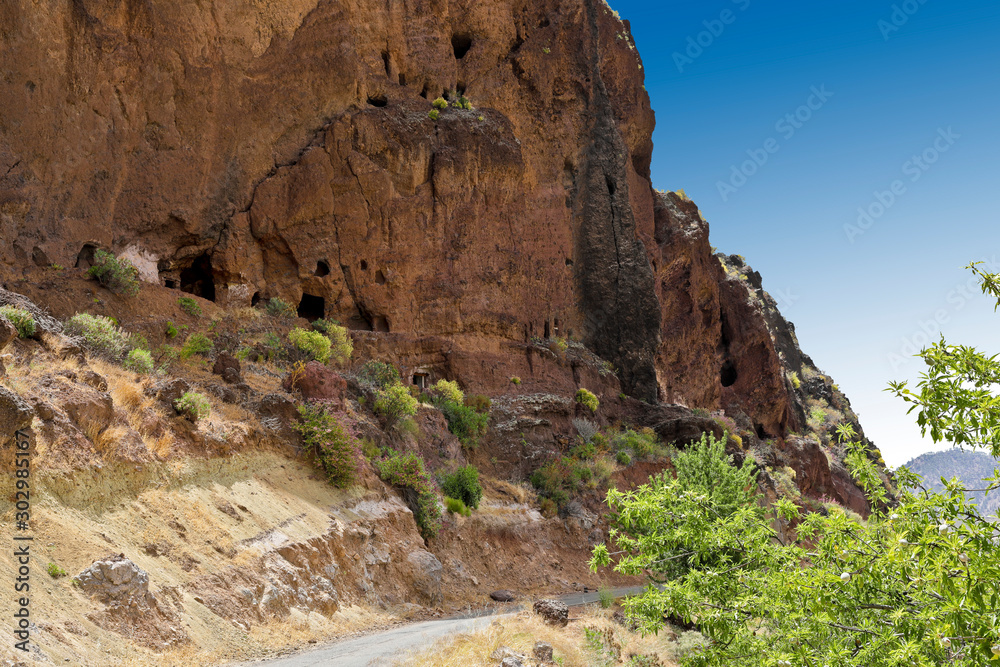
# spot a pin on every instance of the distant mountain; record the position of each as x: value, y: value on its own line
x: 970, y: 467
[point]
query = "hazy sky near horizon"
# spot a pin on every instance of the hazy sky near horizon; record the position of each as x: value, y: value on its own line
x: 850, y: 151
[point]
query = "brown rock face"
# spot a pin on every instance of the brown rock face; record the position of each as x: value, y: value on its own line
x: 241, y: 150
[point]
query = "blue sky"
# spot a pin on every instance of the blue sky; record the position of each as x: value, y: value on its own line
x: 894, y: 110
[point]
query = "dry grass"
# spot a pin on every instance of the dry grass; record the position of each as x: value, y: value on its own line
x: 503, y: 490
x: 520, y: 632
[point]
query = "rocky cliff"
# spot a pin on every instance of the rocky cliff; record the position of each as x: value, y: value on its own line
x: 241, y: 151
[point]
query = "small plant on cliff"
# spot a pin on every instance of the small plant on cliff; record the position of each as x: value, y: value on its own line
x: 139, y: 361
x: 277, y: 307
x: 312, y: 343
x: 55, y: 571
x: 394, y: 403
x: 515, y: 380
x: 193, y: 405
x: 440, y: 104
x: 378, y: 374
x: 116, y: 273
x: 22, y: 320
x: 341, y: 346
x: 330, y: 442
x: 189, y: 306
x: 100, y: 334
x: 587, y: 399
x: 467, y: 422
x: 196, y: 343
x: 407, y: 472
x: 456, y: 506
x: 433, y: 114
x: 463, y: 484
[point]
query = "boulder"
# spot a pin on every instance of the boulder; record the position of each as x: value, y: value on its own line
x: 542, y: 651
x: 503, y: 595
x: 169, y: 391
x: 115, y: 579
x: 228, y: 367
x: 317, y: 382
x: 15, y: 413
x: 505, y: 654
x: 511, y: 662
x: 553, y: 611
x: 425, y: 575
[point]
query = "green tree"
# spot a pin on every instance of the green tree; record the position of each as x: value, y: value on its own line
x: 914, y: 584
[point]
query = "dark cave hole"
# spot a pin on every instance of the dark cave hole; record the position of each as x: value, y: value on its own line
x: 544, y: 23
x: 569, y: 262
x: 728, y: 375
x: 421, y: 380
x: 255, y: 299
x: 170, y: 284
x: 312, y: 307
x: 611, y: 186
x: 547, y: 332
x: 197, y: 278
x: 322, y: 268
x: 761, y: 433
x: 387, y: 62
x: 380, y: 323
x: 460, y: 88
x: 364, y: 265
x: 380, y: 277
x: 402, y: 79
x: 461, y: 45
x: 85, y: 258
x: 379, y: 101
x: 426, y: 91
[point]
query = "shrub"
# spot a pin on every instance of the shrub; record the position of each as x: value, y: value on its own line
x: 449, y: 391
x: 479, y: 403
x: 587, y: 399
x: 331, y: 443
x: 440, y: 103
x: 433, y: 114
x: 189, y: 306
x: 641, y: 443
x: 273, y: 347
x: 395, y: 403
x: 171, y: 330
x: 139, y: 361
x: 313, y: 343
x: 56, y: 571
x: 467, y: 424
x: 605, y: 596
x: 586, y: 429
x: 548, y: 508
x: 584, y: 452
x: 456, y: 506
x: 622, y: 458
x: 100, y: 334
x: 118, y: 274
x: 378, y: 374
x: 193, y: 405
x: 515, y: 380
x: 463, y: 484
x: 196, y: 343
x: 341, y: 347
x: 369, y: 449
x: 20, y: 318
x: 407, y: 472
x: 558, y: 346
x: 280, y: 308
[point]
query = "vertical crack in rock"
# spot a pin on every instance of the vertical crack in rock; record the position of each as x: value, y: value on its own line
x: 617, y: 293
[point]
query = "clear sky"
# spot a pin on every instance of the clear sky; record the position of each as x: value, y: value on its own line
x: 894, y: 108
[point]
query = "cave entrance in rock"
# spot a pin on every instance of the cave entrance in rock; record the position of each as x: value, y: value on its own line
x: 728, y: 374
x: 312, y: 307
x: 421, y: 380
x: 85, y: 258
x: 197, y: 278
x: 461, y: 44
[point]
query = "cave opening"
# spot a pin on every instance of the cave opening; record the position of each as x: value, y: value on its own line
x: 378, y: 100
x: 322, y: 268
x: 548, y: 333
x: 402, y: 79
x: 255, y: 299
x: 85, y: 258
x: 380, y: 323
x: 197, y: 278
x: 421, y: 381
x: 461, y: 44
x: 364, y: 265
x: 387, y: 62
x: 728, y: 375
x: 611, y: 185
x: 170, y: 284
x: 759, y: 430
x: 312, y: 307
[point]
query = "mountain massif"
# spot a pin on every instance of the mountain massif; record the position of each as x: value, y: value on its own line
x: 466, y: 187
